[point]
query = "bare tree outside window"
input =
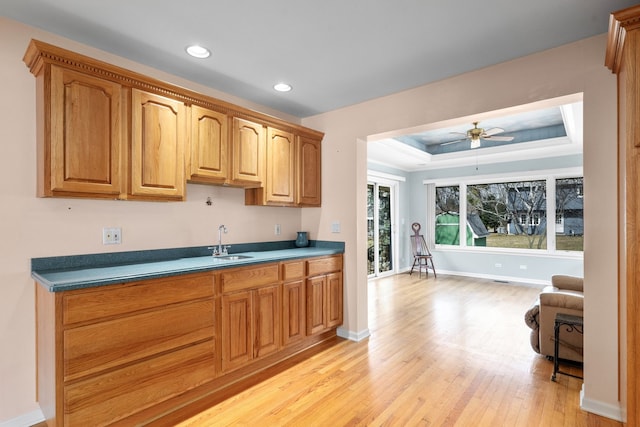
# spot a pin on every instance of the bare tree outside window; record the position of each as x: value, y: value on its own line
x: 448, y: 199
x: 515, y: 209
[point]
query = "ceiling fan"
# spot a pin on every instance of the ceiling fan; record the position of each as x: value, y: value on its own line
x: 476, y: 134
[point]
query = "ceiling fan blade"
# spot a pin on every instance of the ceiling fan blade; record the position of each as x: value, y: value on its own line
x: 453, y: 142
x: 498, y: 138
x: 492, y: 131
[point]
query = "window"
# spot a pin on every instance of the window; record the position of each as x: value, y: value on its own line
x: 512, y: 214
x: 569, y: 209
x: 447, y: 214
x: 514, y: 211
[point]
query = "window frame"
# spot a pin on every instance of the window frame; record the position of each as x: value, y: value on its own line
x: 549, y: 176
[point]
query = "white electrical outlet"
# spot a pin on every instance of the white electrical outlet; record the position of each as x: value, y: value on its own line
x: 277, y: 230
x: 335, y: 227
x: 111, y: 236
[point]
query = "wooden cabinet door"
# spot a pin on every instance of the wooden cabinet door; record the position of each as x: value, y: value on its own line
x: 316, y: 305
x: 334, y: 299
x: 237, y: 334
x: 308, y: 172
x: 293, y: 312
x: 266, y: 305
x: 82, y: 152
x: 158, y: 131
x: 247, y: 152
x: 280, y: 179
x: 209, y: 151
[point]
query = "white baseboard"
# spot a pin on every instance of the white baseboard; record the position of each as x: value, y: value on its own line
x: 351, y: 335
x: 24, y: 420
x: 600, y: 408
x: 510, y: 279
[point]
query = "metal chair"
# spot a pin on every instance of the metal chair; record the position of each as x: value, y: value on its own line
x: 422, y: 257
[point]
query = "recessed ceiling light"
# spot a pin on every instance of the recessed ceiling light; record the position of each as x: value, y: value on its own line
x: 198, y: 51
x: 282, y: 87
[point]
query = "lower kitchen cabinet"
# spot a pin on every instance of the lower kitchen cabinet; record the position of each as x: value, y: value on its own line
x: 250, y: 326
x: 266, y: 320
x: 236, y: 330
x: 324, y: 294
x: 250, y: 315
x: 293, y: 302
x: 127, y: 353
x: 108, y: 352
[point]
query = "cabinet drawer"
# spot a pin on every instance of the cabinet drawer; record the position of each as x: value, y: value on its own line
x: 292, y: 270
x: 92, y: 304
x: 110, y: 397
x: 249, y: 277
x: 324, y: 265
x: 93, y: 348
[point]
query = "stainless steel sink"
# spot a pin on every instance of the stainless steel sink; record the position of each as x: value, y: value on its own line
x: 232, y: 257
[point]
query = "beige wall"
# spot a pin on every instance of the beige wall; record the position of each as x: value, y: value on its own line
x: 563, y: 71
x: 35, y: 227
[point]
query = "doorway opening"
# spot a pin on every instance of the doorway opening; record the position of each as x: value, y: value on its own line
x: 382, y: 208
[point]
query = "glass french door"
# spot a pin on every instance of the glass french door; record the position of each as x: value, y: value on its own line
x: 380, y: 208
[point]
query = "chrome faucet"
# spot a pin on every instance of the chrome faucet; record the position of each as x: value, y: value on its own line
x: 221, y: 250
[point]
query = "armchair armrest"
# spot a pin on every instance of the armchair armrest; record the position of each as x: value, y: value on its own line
x: 531, y: 317
x: 567, y: 282
x: 573, y: 300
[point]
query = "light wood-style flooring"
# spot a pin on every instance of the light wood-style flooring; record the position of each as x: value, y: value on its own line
x: 449, y: 351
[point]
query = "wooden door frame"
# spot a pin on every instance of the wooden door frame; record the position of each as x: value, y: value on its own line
x: 623, y: 58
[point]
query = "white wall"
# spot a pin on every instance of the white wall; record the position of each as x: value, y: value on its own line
x: 567, y: 70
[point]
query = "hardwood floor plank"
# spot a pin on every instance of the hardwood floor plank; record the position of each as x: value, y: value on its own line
x: 450, y: 351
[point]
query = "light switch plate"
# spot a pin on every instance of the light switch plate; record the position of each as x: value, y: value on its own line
x: 335, y: 227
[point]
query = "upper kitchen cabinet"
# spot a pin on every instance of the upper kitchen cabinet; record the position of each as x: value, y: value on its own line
x: 158, y: 131
x: 308, y: 172
x: 79, y: 134
x: 107, y: 132
x: 247, y: 153
x: 209, y: 151
x: 279, y: 184
x: 293, y: 171
x: 101, y: 137
x: 280, y: 180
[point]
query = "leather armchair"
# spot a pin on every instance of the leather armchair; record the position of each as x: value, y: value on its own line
x: 565, y: 295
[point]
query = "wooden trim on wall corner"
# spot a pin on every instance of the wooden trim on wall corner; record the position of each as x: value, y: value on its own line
x: 619, y: 23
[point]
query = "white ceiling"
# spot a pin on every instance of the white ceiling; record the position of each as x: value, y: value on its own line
x: 334, y: 53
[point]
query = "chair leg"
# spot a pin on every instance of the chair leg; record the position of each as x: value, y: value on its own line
x: 433, y: 268
x: 413, y: 266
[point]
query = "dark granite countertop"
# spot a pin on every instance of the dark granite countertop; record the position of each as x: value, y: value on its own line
x: 82, y: 271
